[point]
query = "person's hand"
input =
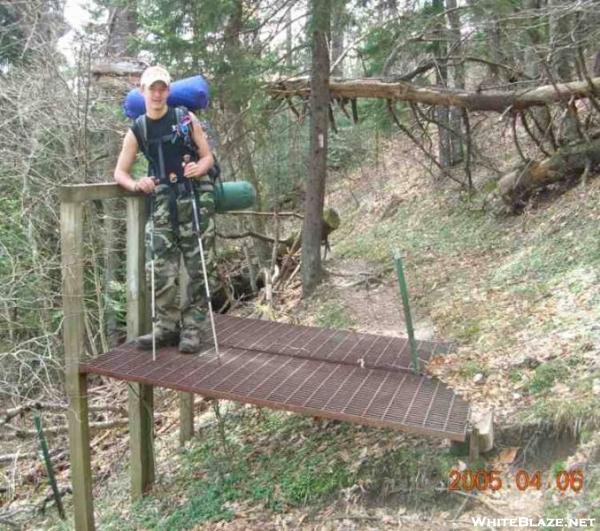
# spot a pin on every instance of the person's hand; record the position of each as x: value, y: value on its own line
x: 191, y: 170
x: 145, y: 184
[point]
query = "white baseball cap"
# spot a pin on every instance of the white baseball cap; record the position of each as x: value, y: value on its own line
x: 152, y: 74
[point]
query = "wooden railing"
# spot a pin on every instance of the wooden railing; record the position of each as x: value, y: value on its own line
x: 141, y: 408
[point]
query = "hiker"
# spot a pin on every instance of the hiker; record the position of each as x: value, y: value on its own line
x: 169, y: 138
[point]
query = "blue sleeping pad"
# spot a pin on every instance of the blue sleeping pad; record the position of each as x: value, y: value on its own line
x: 191, y: 92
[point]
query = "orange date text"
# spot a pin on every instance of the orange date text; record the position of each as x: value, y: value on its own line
x: 481, y: 480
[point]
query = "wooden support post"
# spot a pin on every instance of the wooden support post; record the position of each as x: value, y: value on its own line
x: 473, y: 445
x: 141, y: 396
x: 71, y: 230
x: 186, y: 417
x: 484, y: 423
x: 186, y: 400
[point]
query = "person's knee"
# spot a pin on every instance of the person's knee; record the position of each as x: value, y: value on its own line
x: 164, y: 284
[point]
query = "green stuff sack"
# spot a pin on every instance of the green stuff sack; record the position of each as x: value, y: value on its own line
x: 234, y: 195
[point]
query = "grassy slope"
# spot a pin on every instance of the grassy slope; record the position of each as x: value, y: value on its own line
x: 505, y: 290
x: 521, y: 296
x: 276, y: 466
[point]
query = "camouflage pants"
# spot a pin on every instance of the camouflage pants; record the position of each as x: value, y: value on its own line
x: 169, y: 246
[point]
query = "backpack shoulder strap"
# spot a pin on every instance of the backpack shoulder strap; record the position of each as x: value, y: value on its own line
x: 182, y: 112
x: 186, y: 127
x: 140, y: 130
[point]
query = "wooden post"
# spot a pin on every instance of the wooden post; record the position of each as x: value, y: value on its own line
x: 71, y: 230
x: 141, y: 396
x: 483, y: 423
x: 186, y: 417
x: 473, y: 445
x: 186, y: 400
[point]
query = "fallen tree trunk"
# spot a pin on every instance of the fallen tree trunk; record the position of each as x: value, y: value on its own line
x: 20, y: 433
x: 498, y: 101
x: 570, y: 161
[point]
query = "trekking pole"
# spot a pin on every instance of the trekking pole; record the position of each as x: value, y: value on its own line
x: 196, y: 221
x: 152, y: 282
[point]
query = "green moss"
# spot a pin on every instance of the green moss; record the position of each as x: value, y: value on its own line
x: 468, y: 331
x: 470, y: 368
x: 566, y: 413
x: 547, y: 374
x: 334, y: 315
x: 557, y: 467
x: 515, y: 376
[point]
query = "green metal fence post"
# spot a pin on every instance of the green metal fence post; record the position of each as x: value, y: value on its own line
x: 407, y: 315
x: 48, y: 462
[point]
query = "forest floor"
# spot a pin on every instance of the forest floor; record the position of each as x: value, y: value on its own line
x: 519, y: 295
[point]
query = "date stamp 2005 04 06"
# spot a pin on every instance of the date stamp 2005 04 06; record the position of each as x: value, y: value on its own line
x: 469, y: 480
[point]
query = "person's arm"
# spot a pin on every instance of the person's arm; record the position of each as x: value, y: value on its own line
x: 206, y: 161
x: 125, y: 163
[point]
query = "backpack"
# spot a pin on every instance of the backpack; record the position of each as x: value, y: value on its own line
x: 181, y: 128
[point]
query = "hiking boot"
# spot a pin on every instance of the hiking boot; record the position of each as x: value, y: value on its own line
x: 190, y: 341
x: 164, y: 338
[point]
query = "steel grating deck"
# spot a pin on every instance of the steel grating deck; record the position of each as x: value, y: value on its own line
x: 360, y: 378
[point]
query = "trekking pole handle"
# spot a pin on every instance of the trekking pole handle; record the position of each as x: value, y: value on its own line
x: 188, y: 184
x: 186, y: 160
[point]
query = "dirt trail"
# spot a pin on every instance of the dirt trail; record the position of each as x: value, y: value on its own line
x: 371, y: 298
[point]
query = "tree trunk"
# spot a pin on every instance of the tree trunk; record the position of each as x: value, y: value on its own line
x: 494, y: 38
x: 122, y: 26
x: 233, y: 52
x: 441, y: 80
x: 319, y: 117
x: 515, y: 187
x: 532, y: 61
x: 289, y: 40
x: 294, y: 158
x: 560, y: 40
x: 532, y: 66
x: 337, y: 36
x: 456, y: 115
x: 562, y: 61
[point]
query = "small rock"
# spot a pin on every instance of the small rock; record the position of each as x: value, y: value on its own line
x: 596, y: 386
x: 424, y: 331
x: 479, y: 379
x: 517, y: 396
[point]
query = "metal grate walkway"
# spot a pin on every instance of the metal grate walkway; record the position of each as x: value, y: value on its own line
x: 360, y: 378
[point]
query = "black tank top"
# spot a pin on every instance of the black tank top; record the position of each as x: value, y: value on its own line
x: 173, y: 151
